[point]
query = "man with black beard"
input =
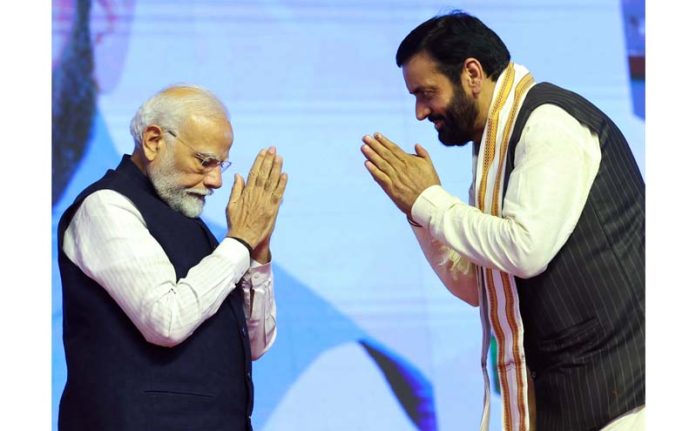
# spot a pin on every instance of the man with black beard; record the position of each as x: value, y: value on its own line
x: 455, y: 125
x: 551, y: 243
x: 160, y: 321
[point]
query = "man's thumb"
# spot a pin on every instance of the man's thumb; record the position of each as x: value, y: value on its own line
x: 422, y: 152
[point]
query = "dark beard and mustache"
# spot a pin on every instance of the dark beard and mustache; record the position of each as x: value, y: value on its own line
x: 458, y: 122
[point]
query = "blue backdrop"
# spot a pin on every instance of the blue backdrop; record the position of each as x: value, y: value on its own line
x: 368, y: 338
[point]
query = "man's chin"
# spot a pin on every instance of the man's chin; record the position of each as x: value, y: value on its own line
x: 190, y: 207
x: 191, y: 212
x: 451, y: 141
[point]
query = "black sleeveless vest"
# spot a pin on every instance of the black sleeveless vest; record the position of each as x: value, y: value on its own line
x: 116, y: 379
x: 584, y: 317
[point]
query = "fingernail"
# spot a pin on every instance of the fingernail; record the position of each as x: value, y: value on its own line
x: 272, y: 150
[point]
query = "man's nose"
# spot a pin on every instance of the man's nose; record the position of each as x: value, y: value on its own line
x: 213, y: 179
x: 422, y: 111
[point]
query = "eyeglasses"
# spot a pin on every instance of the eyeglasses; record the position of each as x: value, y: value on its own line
x: 208, y: 163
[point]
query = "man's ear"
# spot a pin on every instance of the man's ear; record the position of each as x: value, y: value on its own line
x: 153, y: 142
x: 472, y: 75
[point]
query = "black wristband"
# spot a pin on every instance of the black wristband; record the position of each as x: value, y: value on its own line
x: 412, y: 222
x: 244, y: 243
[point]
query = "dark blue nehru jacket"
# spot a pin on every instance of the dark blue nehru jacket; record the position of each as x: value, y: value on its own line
x: 119, y: 381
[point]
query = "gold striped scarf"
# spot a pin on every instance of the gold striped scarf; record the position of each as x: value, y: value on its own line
x: 499, y: 303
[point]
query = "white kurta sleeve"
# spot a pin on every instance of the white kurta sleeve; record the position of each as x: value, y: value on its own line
x: 109, y: 241
x: 259, y: 307
x: 556, y: 161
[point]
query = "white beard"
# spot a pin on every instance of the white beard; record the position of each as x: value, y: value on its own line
x: 188, y: 201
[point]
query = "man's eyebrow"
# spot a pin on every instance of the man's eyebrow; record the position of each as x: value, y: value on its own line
x: 207, y: 154
x: 421, y: 89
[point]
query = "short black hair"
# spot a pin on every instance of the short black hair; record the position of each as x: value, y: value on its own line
x: 452, y: 38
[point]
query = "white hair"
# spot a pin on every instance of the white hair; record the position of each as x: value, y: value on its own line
x: 171, y: 106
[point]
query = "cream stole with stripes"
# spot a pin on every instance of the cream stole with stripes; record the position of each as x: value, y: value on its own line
x: 499, y: 303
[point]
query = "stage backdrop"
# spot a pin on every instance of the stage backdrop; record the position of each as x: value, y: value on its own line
x: 368, y: 338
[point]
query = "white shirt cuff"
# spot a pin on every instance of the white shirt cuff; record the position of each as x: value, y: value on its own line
x: 428, y: 202
x: 233, y: 250
x: 259, y: 271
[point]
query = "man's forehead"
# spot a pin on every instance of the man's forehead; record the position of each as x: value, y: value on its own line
x: 209, y: 135
x: 420, y: 72
x: 206, y: 124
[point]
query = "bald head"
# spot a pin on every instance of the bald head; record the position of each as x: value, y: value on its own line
x: 174, y: 106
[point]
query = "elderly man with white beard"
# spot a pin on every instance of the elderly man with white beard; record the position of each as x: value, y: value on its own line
x: 161, y: 322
